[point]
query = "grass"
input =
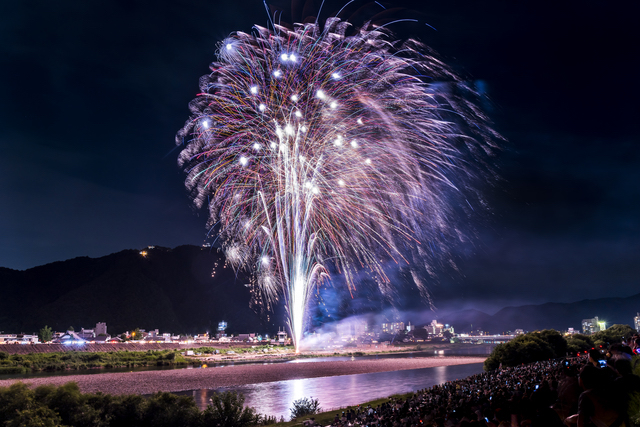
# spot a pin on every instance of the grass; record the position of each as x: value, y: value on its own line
x: 261, y: 349
x: 78, y: 360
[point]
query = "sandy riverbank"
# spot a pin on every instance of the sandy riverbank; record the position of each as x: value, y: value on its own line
x: 146, y: 382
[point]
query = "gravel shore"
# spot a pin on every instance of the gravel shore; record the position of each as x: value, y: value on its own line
x: 146, y: 382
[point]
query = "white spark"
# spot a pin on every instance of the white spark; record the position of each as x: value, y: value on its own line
x: 288, y: 129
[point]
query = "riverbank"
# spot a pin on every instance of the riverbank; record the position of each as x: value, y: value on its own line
x: 148, y: 382
x: 105, y: 348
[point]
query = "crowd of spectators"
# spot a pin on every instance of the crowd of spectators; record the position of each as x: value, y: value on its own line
x: 596, y: 390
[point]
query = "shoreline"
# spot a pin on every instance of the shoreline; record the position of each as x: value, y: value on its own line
x: 148, y: 382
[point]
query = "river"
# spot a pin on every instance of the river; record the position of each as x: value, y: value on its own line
x: 276, y: 398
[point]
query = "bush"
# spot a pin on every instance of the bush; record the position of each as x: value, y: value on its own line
x: 578, y: 343
x: 35, y: 417
x: 16, y: 397
x: 613, y: 335
x: 7, y: 370
x: 165, y: 409
x: 227, y: 410
x: 304, y: 406
x: 527, y: 348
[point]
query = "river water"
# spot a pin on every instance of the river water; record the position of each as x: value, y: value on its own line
x: 276, y: 398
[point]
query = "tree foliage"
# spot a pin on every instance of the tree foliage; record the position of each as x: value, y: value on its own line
x: 227, y: 410
x: 578, y: 343
x: 49, y: 406
x: 305, y: 406
x: 527, y: 348
x: 45, y: 334
x: 612, y: 335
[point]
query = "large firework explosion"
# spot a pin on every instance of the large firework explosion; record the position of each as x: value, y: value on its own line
x: 320, y: 151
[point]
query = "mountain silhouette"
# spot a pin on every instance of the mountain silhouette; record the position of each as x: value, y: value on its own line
x: 187, y: 289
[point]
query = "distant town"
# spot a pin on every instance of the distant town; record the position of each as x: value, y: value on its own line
x: 346, y: 333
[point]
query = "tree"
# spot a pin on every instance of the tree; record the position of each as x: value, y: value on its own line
x: 136, y: 334
x: 579, y: 342
x: 45, y: 334
x: 40, y: 416
x: 13, y: 399
x: 165, y: 409
x: 304, y: 406
x: 555, y: 340
x: 227, y: 410
x: 612, y: 335
x: 527, y: 348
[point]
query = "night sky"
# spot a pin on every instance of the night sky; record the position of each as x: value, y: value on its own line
x: 93, y: 93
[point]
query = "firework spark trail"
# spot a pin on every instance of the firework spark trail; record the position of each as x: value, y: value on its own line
x: 318, y: 151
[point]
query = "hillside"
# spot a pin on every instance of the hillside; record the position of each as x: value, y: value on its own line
x: 169, y: 289
x: 559, y: 316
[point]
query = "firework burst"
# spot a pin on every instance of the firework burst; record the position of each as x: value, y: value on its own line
x: 317, y: 151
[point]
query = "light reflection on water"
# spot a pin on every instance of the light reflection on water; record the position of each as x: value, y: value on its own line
x: 276, y: 398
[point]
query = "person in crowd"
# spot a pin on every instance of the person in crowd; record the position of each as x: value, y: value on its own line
x: 541, y: 394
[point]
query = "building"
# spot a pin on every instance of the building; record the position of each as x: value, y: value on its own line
x: 283, y: 339
x: 393, y: 328
x: 591, y: 326
x: 27, y: 339
x: 247, y: 337
x: 8, y: 338
x: 202, y: 337
x: 434, y: 328
x: 101, y: 328
x: 636, y: 322
x: 86, y: 334
x: 69, y: 338
x: 99, y: 333
x: 222, y: 330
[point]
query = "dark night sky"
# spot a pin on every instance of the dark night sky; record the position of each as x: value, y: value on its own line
x: 93, y: 93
